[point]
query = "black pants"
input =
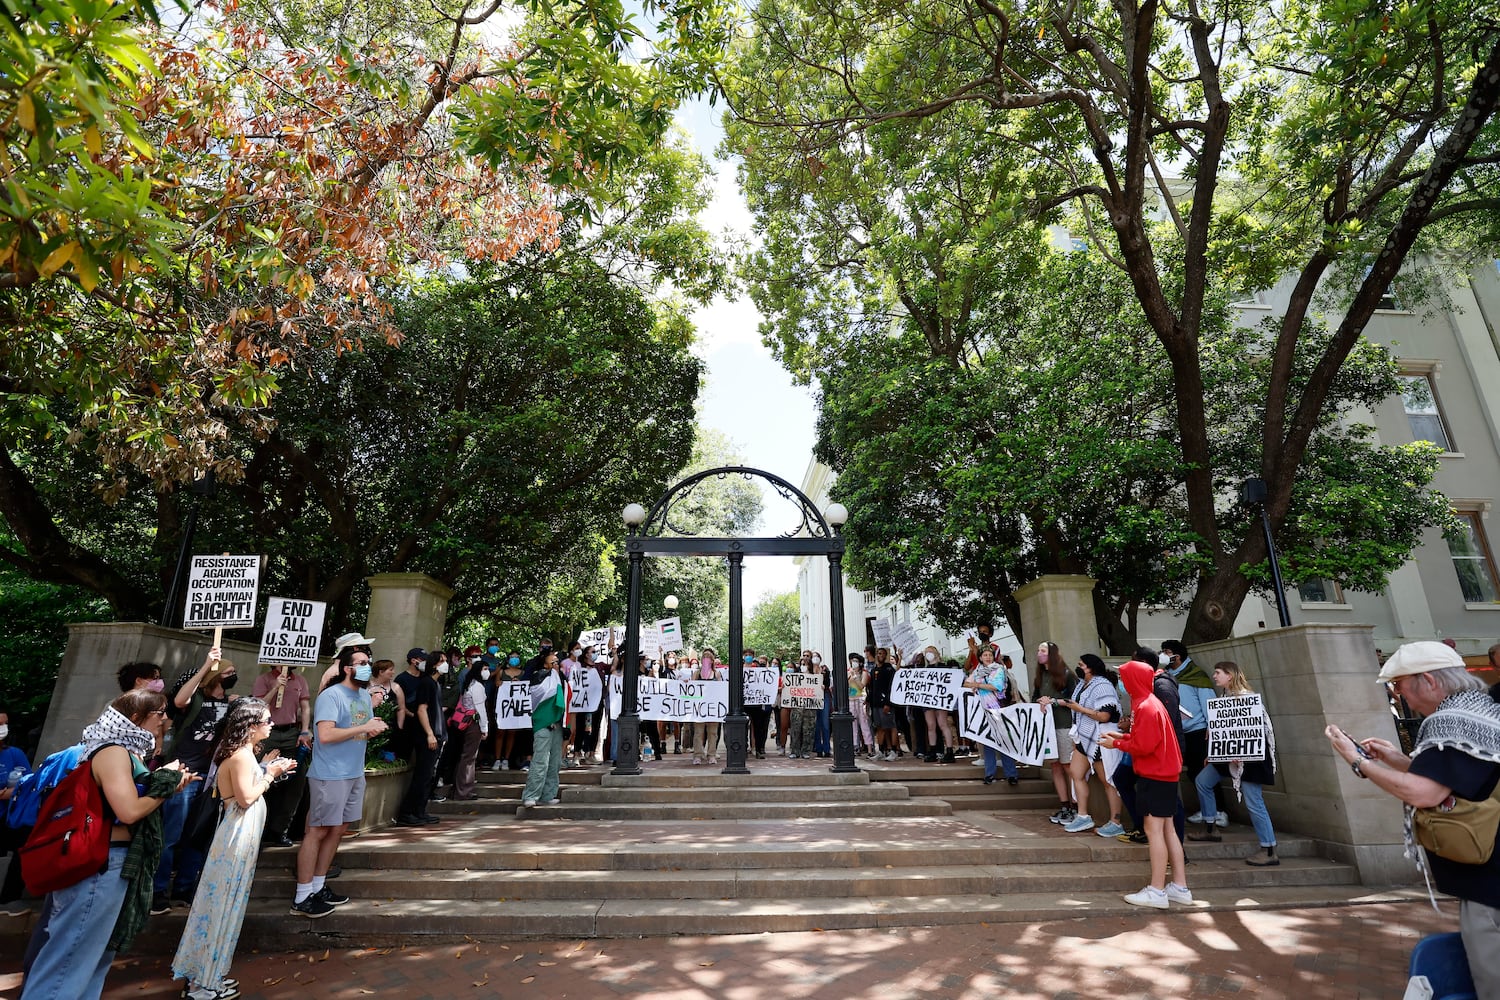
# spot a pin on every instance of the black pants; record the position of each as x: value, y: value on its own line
x: 1125, y: 785
x: 760, y: 726
x: 590, y: 741
x: 650, y: 733
x: 450, y: 749
x: 423, y: 763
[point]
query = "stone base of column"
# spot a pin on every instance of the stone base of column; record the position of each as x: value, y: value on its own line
x: 628, y: 753
x: 841, y: 730
x: 736, y: 744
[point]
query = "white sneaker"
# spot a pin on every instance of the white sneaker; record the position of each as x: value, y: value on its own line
x: 528, y: 803
x: 1178, y: 893
x: 496, y: 766
x: 1196, y: 817
x: 1149, y: 896
x: 977, y: 762
x: 553, y: 802
x: 697, y: 760
x: 1222, y: 819
x: 505, y: 765
x: 890, y: 755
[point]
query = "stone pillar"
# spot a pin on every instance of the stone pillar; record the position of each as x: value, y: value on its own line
x: 406, y: 610
x: 86, y: 680
x: 1310, y: 676
x: 1058, y: 609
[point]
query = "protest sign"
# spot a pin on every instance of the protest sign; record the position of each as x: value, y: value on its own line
x: 587, y: 687
x: 760, y: 685
x: 513, y: 705
x: 1022, y: 732
x: 292, y: 632
x: 221, y: 592
x: 904, y: 638
x: 927, y: 687
x: 882, y: 630
x: 683, y: 701
x: 669, y: 631
x: 650, y: 643
x: 598, y: 638
x: 1235, y: 731
x: 616, y: 687
x: 802, y: 691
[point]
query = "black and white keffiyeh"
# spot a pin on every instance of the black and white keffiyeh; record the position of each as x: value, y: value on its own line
x: 114, y: 728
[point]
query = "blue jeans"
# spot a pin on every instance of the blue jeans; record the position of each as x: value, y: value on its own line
x: 546, y: 764
x: 990, y: 753
x: 188, y: 862
x: 821, y: 741
x: 74, y: 958
x: 1209, y: 778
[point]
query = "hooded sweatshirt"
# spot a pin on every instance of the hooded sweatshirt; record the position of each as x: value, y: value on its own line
x: 1151, y: 742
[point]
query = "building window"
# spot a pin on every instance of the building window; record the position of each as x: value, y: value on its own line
x: 1388, y: 301
x: 1472, y: 560
x: 1320, y: 591
x: 1420, y: 401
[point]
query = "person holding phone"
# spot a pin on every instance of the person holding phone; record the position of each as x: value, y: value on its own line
x: 1457, y: 756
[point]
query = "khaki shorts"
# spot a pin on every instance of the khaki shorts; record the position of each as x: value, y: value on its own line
x: 335, y: 802
x: 1064, y: 746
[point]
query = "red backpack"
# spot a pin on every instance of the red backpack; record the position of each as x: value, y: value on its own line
x: 71, y: 839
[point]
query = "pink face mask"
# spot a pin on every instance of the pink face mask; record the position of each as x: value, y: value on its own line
x: 156, y: 685
x: 706, y: 672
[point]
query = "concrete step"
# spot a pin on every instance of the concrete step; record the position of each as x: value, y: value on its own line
x: 806, y: 883
x: 392, y: 923
x: 810, y: 844
x: 699, y: 810
x: 975, y: 785
x: 738, y: 793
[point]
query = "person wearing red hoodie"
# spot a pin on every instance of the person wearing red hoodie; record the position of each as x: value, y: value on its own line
x: 1152, y: 745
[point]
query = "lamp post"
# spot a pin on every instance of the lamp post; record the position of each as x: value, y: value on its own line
x: 1253, y: 492
x: 737, y: 723
x: 840, y: 721
x: 628, y: 756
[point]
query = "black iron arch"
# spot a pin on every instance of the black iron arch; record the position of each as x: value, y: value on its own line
x: 659, y: 518
x: 812, y: 535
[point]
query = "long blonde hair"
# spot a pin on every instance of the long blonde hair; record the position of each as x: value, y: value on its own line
x: 1237, y: 683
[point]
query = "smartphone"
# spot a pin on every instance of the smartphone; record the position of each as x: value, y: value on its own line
x: 1358, y: 747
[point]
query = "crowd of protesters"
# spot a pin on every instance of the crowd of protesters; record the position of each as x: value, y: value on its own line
x: 287, y: 763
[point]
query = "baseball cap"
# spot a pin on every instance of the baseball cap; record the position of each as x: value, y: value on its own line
x: 1419, y: 658
x: 416, y: 653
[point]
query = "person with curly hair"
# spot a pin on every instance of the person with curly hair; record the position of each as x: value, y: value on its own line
x: 218, y: 910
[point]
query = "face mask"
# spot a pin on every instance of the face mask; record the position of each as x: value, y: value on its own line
x: 1079, y: 672
x: 4, y: 732
x: 362, y: 673
x: 930, y: 657
x: 442, y: 668
x: 749, y: 659
x: 484, y: 674
x: 576, y: 652
x: 817, y: 660
x: 476, y: 660
x: 228, y: 680
x: 494, y: 650
x: 1041, y: 656
x: 156, y: 685
x: 514, y: 661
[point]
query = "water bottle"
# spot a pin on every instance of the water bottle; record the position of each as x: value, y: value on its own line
x: 16, y: 774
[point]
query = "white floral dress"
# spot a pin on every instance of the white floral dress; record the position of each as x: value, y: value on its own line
x: 214, y: 922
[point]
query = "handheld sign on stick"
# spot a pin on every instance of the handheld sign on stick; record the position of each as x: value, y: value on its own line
x: 221, y: 593
x: 292, y: 632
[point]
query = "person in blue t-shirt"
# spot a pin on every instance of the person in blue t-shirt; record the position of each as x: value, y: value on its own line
x: 343, y: 721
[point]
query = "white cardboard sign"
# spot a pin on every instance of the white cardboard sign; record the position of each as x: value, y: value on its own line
x: 927, y: 687
x: 292, y: 632
x: 513, y: 705
x: 587, y: 687
x: 1235, y: 731
x: 760, y: 685
x: 882, y: 630
x: 669, y: 635
x: 802, y: 691
x: 1023, y: 733
x: 221, y: 592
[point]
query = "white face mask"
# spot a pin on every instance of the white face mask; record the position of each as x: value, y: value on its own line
x: 4, y: 732
x: 442, y: 668
x: 817, y: 660
x: 930, y: 657
x: 484, y: 674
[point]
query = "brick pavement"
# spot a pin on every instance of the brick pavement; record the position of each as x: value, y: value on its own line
x: 1341, y: 952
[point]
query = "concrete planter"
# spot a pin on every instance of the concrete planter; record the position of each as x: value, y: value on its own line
x: 383, y: 791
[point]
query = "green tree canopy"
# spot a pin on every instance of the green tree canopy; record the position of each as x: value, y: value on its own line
x: 774, y: 625
x: 902, y: 158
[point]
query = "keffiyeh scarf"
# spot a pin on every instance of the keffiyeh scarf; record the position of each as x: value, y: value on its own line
x: 114, y: 728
